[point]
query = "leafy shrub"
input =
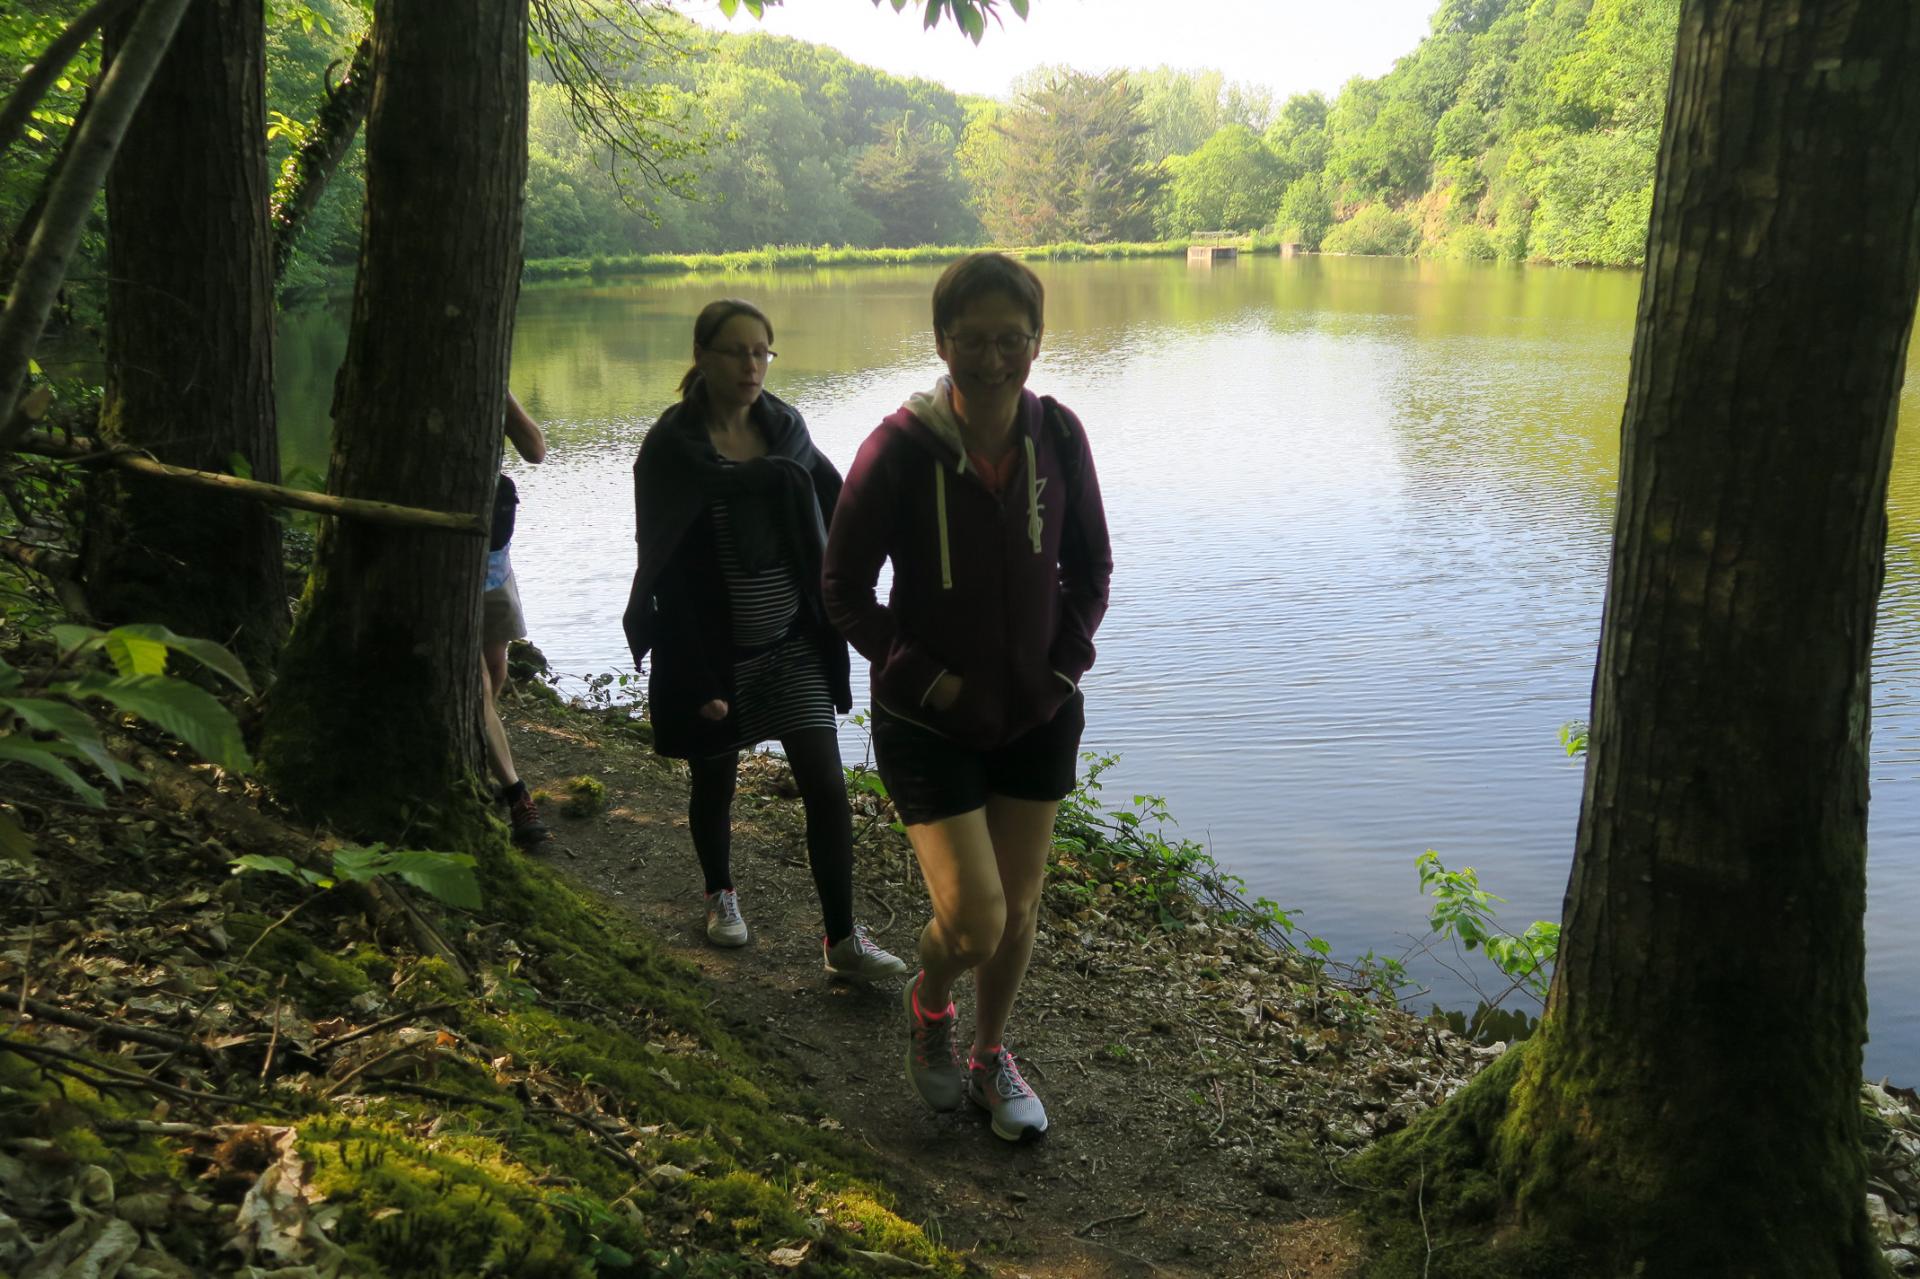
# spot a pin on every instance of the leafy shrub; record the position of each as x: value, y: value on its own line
x: 1375, y: 229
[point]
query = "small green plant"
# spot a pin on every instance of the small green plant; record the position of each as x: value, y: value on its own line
x: 1573, y: 737
x: 446, y: 876
x: 1464, y: 911
x: 46, y: 724
x: 585, y: 797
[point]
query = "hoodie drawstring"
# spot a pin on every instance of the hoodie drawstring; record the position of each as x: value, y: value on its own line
x: 1033, y: 498
x: 940, y: 507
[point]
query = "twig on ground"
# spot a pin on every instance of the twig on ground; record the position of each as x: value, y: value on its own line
x: 892, y: 914
x: 361, y: 1069
x: 148, y: 1127
x: 1109, y: 1221
x: 26, y: 972
x: 425, y: 1010
x: 273, y: 1042
x: 247, y: 954
x: 607, y: 1139
x: 67, y: 1017
x: 410, y: 1089
x: 109, y: 1077
x: 1420, y: 1203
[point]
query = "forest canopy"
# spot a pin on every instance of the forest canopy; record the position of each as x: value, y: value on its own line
x: 1519, y: 130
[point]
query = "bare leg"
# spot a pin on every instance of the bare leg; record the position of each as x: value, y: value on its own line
x: 969, y: 909
x: 1022, y: 831
x: 493, y: 662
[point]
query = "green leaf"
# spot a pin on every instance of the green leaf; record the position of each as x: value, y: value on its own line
x: 15, y: 843
x: 134, y: 654
x: 279, y: 866
x: 1019, y: 7
x: 9, y: 678
x: 190, y: 714
x: 70, y: 638
x: 209, y: 654
x: 76, y: 729
x: 447, y: 876
x: 21, y: 750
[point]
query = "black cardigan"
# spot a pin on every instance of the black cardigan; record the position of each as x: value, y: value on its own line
x: 678, y: 608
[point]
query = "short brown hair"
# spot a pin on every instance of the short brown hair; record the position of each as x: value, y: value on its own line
x: 979, y: 274
x: 713, y: 318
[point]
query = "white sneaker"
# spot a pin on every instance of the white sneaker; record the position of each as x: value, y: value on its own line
x: 724, y: 925
x: 857, y: 957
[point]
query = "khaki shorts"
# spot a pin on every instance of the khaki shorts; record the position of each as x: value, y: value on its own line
x: 500, y: 617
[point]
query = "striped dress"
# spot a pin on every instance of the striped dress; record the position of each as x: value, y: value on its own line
x: 779, y: 687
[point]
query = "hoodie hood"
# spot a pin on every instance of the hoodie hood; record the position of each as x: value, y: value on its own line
x: 933, y: 410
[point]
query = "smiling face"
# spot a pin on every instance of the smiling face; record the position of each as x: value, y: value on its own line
x: 989, y: 349
x: 734, y: 362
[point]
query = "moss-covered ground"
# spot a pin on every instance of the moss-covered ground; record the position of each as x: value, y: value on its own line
x: 566, y: 1106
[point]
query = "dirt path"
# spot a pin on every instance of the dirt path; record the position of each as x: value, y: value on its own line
x: 1141, y: 1174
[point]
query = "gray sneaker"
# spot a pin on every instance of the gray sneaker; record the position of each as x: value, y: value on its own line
x: 856, y: 957
x: 995, y: 1086
x: 724, y: 925
x: 933, y: 1068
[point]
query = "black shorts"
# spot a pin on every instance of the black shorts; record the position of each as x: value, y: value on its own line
x: 931, y: 777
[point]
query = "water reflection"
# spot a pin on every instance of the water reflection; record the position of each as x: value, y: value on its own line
x: 1361, y: 510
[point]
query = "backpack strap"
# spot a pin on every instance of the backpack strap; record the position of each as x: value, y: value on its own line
x: 1055, y: 418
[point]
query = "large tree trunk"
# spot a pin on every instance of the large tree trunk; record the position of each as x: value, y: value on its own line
x: 1690, y: 1104
x: 190, y: 344
x: 375, y: 720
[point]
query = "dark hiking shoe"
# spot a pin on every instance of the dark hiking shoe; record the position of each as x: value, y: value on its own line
x: 524, y: 817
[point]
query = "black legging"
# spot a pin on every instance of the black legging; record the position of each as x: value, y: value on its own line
x: 814, y: 756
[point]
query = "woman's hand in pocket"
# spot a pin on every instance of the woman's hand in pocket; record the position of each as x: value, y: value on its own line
x: 945, y: 692
x: 715, y: 710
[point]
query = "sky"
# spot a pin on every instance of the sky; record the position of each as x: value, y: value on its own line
x: 1288, y: 46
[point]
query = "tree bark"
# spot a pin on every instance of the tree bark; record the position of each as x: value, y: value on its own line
x: 375, y: 720
x: 190, y: 345
x: 70, y: 198
x: 1689, y: 1106
x: 304, y: 178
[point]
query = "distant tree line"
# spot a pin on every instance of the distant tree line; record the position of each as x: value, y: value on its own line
x: 1521, y: 130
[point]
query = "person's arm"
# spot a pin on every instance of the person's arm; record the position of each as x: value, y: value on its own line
x: 528, y: 440
x: 856, y: 547
x: 1086, y: 568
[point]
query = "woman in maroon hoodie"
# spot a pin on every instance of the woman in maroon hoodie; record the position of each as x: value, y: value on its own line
x: 984, y: 497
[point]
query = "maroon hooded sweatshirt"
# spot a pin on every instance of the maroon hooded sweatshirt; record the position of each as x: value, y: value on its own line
x: 1003, y: 589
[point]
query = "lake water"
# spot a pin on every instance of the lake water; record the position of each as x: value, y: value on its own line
x: 1360, y: 513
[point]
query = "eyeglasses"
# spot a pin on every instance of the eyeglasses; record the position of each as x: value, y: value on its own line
x: 1010, y: 345
x: 752, y: 355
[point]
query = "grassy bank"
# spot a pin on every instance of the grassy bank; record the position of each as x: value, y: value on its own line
x: 803, y: 257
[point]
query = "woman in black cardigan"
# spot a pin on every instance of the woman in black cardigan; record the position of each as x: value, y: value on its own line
x: 731, y: 501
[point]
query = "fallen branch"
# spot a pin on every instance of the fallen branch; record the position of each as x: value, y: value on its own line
x: 121, y: 1030
x: 1117, y: 1218
x: 91, y: 453
x: 427, y: 1010
x: 607, y: 1139
x: 110, y: 1077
